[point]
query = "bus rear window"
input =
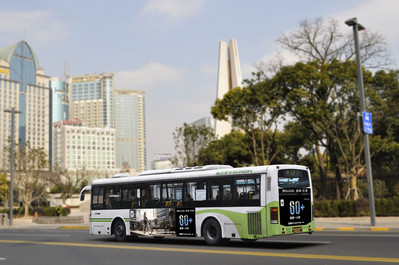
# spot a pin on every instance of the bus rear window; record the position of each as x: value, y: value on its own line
x: 293, y: 178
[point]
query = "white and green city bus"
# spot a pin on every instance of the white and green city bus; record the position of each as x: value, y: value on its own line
x: 216, y: 202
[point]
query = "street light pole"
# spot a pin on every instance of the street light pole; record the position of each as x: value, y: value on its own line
x: 13, y: 112
x: 356, y: 28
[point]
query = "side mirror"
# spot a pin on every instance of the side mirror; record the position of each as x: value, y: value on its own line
x: 82, y: 192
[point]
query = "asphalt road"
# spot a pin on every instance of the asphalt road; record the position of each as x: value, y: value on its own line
x: 57, y: 246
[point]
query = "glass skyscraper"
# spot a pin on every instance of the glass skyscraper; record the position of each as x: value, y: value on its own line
x: 58, y: 106
x: 24, y: 86
x: 130, y: 129
x: 59, y: 100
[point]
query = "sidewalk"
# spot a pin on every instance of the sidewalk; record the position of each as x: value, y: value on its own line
x: 26, y: 223
x: 322, y: 224
x: 356, y: 223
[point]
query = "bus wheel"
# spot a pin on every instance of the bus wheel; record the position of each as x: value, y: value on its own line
x: 213, y: 233
x: 120, y: 230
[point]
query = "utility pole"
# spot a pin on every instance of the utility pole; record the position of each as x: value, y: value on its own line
x: 356, y: 28
x: 13, y: 112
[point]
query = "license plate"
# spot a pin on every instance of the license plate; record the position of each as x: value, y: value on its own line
x: 297, y: 229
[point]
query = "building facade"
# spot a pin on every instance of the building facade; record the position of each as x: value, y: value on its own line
x: 23, y: 85
x: 59, y: 106
x: 206, y: 121
x: 162, y: 161
x: 130, y: 129
x: 229, y: 77
x: 59, y: 100
x: 76, y: 147
x: 91, y: 100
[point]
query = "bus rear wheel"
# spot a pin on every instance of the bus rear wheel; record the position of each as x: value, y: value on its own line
x: 213, y: 233
x: 120, y: 231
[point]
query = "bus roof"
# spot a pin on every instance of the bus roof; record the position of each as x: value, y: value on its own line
x: 188, y: 173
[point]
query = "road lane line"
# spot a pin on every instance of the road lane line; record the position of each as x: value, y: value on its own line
x: 44, y: 235
x: 211, y: 251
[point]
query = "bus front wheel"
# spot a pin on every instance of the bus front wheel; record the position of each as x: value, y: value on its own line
x: 213, y: 233
x: 120, y: 231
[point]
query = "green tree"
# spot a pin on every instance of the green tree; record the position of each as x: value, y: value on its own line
x: 189, y: 141
x: 4, y: 187
x: 255, y: 110
x: 232, y: 149
x: 323, y: 97
x: 386, y: 123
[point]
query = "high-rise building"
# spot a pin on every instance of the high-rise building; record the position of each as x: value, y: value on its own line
x: 162, y: 161
x: 58, y: 106
x: 130, y: 129
x: 76, y: 147
x: 23, y: 85
x: 206, y: 121
x: 91, y: 100
x: 59, y: 100
x: 229, y: 77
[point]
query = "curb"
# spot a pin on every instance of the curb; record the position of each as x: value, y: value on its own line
x: 354, y: 229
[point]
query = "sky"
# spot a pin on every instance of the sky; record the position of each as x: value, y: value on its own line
x: 169, y: 48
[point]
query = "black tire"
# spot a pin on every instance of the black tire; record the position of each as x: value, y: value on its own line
x: 213, y: 233
x: 120, y: 231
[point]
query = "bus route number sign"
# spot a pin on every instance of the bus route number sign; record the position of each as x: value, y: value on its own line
x: 185, y: 222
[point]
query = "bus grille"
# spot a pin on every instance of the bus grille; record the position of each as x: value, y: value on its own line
x: 254, y: 223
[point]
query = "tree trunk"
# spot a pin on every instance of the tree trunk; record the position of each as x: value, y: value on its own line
x: 338, y: 182
x: 26, y: 204
x: 254, y: 148
x: 354, y: 193
x: 323, y: 173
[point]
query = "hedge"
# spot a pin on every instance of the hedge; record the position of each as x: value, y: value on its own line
x: 350, y: 208
x: 41, y: 211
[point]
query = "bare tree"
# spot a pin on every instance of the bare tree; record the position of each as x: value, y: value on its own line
x: 31, y: 170
x: 68, y: 182
x: 323, y: 40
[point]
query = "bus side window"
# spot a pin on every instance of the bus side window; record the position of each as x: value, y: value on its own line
x: 113, y: 198
x: 97, y: 197
x: 131, y: 198
x: 156, y: 195
x: 195, y: 193
x: 214, y: 193
x: 145, y: 197
x: 248, y: 190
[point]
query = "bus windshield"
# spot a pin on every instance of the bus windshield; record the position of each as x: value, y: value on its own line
x: 293, y: 178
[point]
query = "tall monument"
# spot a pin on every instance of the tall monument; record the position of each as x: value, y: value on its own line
x: 229, y: 77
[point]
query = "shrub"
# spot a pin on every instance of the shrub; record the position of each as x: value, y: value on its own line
x: 348, y: 208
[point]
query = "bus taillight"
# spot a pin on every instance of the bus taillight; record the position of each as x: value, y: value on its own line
x: 274, y: 215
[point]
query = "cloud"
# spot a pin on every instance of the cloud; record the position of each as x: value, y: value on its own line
x: 170, y: 10
x: 40, y: 27
x: 147, y: 77
x: 377, y: 15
